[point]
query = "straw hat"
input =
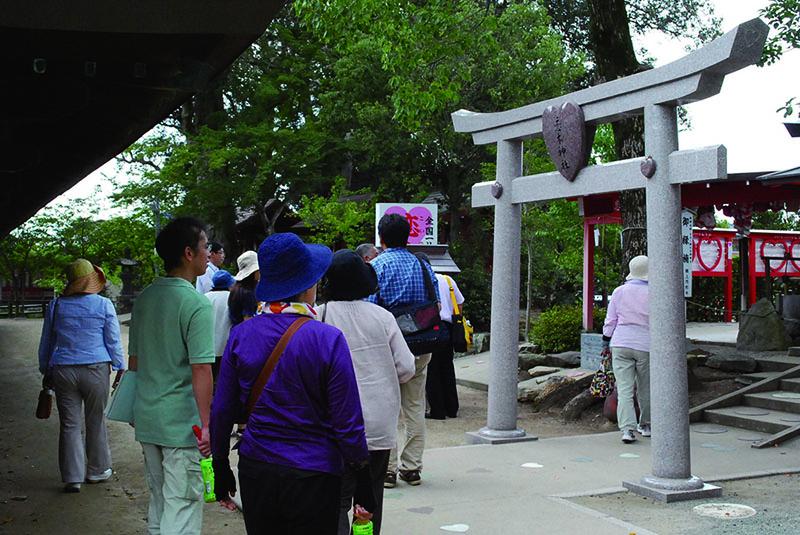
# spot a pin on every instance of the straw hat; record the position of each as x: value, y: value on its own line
x: 84, y: 278
x: 638, y: 268
x: 247, y: 263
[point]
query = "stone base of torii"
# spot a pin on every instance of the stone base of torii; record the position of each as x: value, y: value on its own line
x: 567, y: 123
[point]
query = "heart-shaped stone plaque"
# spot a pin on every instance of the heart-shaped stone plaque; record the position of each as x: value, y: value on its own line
x: 567, y: 138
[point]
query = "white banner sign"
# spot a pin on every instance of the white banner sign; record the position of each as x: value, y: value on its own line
x: 422, y: 218
x: 687, y: 222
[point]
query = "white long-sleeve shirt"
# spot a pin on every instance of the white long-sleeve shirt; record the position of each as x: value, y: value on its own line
x: 381, y: 360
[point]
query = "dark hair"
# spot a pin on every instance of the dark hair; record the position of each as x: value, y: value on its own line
x: 215, y: 246
x: 394, y: 230
x: 173, y: 239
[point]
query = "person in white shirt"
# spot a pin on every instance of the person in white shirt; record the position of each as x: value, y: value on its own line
x: 440, y: 386
x: 381, y: 360
x: 220, y: 291
x: 216, y: 257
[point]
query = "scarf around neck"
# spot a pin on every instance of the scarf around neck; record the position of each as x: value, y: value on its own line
x: 280, y: 307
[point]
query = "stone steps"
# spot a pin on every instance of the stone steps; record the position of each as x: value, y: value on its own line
x: 790, y: 385
x: 776, y: 363
x: 768, y: 400
x: 773, y: 422
x: 750, y: 378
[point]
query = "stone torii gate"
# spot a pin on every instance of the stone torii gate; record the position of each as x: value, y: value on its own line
x: 567, y: 124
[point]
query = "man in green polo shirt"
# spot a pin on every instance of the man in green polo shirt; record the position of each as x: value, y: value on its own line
x: 171, y: 347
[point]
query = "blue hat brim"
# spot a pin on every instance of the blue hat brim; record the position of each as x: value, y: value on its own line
x: 271, y: 291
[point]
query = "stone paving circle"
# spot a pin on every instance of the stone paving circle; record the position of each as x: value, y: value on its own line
x: 724, y: 510
x: 711, y: 429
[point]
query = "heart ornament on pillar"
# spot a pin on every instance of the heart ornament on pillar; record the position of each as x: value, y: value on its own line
x: 568, y: 140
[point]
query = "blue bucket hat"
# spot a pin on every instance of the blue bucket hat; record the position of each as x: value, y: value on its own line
x: 222, y: 279
x: 288, y: 266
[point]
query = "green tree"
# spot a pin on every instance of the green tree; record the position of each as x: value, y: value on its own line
x: 784, y: 18
x: 337, y: 220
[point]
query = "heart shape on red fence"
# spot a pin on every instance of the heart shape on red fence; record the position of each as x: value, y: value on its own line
x: 700, y: 250
x: 795, y: 242
x: 775, y: 244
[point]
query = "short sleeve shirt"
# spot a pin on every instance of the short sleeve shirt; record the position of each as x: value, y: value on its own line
x: 446, y: 312
x: 172, y: 327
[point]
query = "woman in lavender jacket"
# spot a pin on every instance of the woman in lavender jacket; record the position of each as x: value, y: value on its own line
x: 306, y: 425
x: 627, y: 333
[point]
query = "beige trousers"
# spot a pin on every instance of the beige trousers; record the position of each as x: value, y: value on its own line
x: 631, y: 369
x: 411, y: 427
x: 176, y: 490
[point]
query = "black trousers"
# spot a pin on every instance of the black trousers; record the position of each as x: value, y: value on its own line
x: 277, y: 500
x: 440, y: 386
x: 378, y: 464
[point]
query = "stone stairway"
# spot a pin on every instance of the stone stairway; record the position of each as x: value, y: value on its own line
x: 770, y: 404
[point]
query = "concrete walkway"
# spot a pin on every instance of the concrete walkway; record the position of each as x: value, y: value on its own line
x: 712, y: 333
x: 488, y: 489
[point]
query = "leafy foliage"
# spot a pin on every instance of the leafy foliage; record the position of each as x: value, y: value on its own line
x: 336, y: 220
x: 559, y: 328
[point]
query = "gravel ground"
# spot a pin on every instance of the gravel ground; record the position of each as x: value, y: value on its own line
x: 774, y: 498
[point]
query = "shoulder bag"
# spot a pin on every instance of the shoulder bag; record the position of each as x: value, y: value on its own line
x: 44, y: 406
x: 461, y: 331
x: 422, y: 328
x: 269, y: 366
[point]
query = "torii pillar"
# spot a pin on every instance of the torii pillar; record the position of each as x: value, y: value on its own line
x: 567, y: 124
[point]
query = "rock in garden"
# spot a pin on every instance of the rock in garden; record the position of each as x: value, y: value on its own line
x: 732, y: 363
x: 761, y: 329
x: 528, y: 348
x: 568, y: 359
x: 538, y: 371
x: 526, y: 361
x: 559, y: 390
x: 480, y: 342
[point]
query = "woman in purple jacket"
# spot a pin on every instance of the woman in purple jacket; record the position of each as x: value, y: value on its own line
x: 306, y: 424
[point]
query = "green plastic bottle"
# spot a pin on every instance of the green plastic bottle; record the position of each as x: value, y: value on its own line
x: 362, y: 527
x: 207, y: 469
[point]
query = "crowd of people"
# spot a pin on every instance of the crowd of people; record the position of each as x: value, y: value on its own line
x: 326, y: 402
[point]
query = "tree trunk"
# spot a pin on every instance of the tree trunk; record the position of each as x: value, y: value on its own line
x: 615, y: 57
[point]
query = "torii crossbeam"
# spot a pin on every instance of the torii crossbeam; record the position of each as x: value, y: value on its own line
x: 566, y: 123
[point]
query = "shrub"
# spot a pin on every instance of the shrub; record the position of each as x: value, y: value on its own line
x: 559, y: 328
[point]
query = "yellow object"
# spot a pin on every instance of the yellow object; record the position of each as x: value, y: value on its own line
x: 362, y: 527
x: 457, y: 312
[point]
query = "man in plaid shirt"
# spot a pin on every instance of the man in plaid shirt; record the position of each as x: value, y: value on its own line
x: 400, y: 283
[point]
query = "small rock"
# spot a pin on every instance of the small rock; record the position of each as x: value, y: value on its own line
x: 567, y: 359
x: 761, y: 329
x: 537, y: 371
x: 732, y: 363
x: 526, y: 361
x: 528, y: 348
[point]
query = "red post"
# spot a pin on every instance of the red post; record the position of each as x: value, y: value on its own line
x: 752, y: 271
x: 588, y: 275
x: 728, y: 281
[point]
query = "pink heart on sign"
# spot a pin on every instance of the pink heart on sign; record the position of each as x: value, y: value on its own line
x: 419, y: 219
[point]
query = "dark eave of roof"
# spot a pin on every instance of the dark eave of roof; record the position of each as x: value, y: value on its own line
x: 82, y: 80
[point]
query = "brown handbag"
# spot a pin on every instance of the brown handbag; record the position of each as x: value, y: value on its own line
x: 44, y: 407
x: 269, y: 366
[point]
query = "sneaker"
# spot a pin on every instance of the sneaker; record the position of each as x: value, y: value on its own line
x: 411, y: 477
x: 390, y: 480
x: 644, y: 430
x: 99, y: 478
x: 72, y: 488
x: 628, y: 436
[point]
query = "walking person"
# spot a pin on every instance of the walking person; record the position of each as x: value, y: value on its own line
x: 401, y: 283
x: 440, y: 386
x: 79, y: 346
x: 216, y: 257
x: 218, y: 296
x: 293, y: 378
x: 382, y: 361
x: 627, y: 333
x: 242, y: 302
x: 171, y: 348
